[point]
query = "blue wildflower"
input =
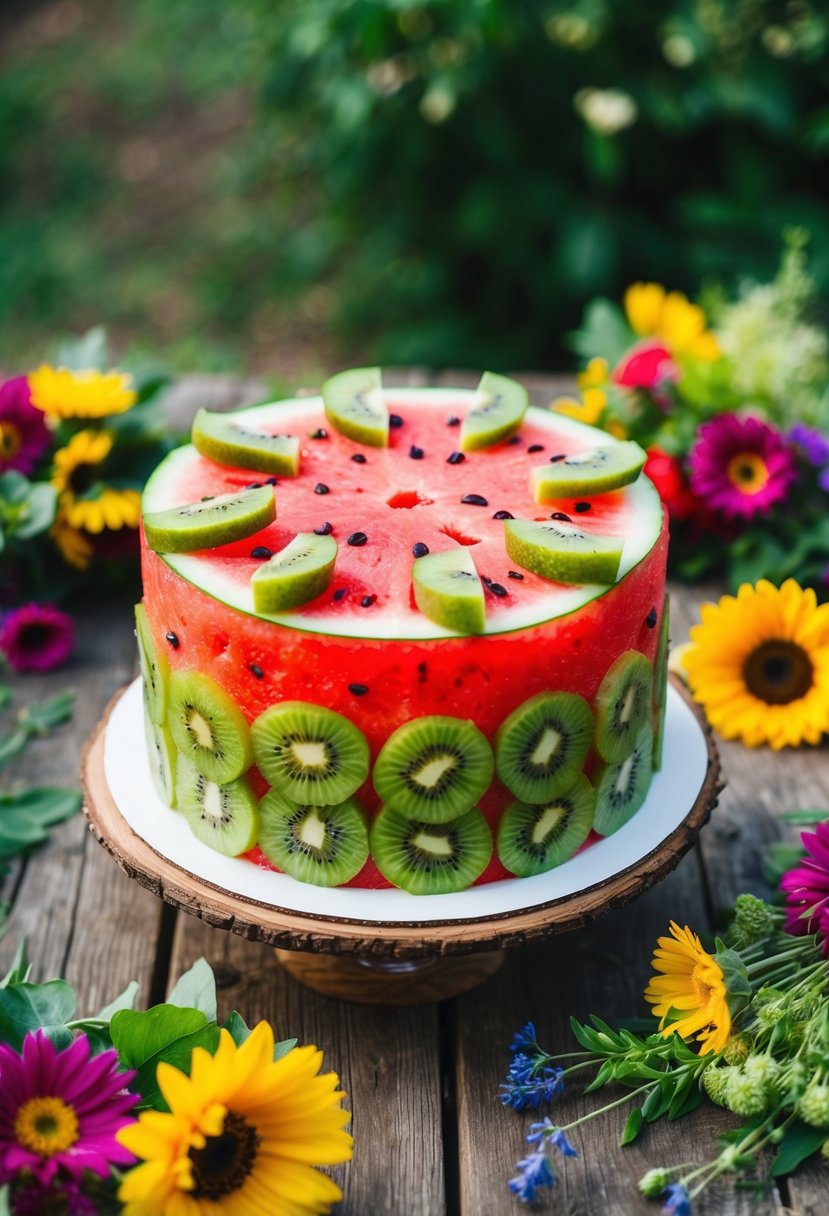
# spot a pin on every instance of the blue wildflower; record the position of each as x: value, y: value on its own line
x: 528, y: 1084
x: 677, y: 1201
x: 554, y: 1135
x: 526, y: 1038
x: 534, y: 1171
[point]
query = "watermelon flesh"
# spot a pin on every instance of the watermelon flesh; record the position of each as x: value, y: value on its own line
x: 362, y: 648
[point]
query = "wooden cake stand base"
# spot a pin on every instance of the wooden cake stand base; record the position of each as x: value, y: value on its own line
x: 423, y: 955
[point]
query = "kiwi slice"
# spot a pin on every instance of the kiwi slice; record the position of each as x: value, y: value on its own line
x: 155, y: 668
x: 314, y: 756
x: 434, y: 768
x: 562, y: 552
x: 162, y: 756
x: 224, y: 816
x: 211, y: 522
x: 541, y: 746
x: 622, y: 788
x: 208, y: 727
x: 448, y: 591
x: 355, y: 405
x: 623, y: 703
x: 223, y: 439
x: 592, y: 472
x: 324, y: 845
x: 499, y: 409
x: 660, y: 683
x: 532, y: 839
x: 296, y: 574
x: 428, y: 858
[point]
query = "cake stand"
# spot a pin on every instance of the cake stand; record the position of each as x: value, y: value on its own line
x: 388, y: 946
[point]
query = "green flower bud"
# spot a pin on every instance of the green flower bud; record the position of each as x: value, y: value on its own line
x: 744, y: 1095
x: 654, y: 1182
x: 753, y: 919
x: 729, y: 1158
x: 813, y: 1105
x: 769, y: 1015
x: 763, y: 1069
x: 714, y: 1081
x: 737, y: 1049
x: 824, y: 1150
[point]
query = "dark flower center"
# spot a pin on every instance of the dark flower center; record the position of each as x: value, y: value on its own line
x: 82, y: 478
x: 778, y: 672
x: 226, y: 1160
x: 35, y: 636
x: 11, y: 440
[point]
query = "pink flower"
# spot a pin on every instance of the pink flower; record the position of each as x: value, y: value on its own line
x: 60, y: 1110
x: 24, y: 436
x: 807, y: 887
x: 740, y: 466
x: 36, y: 637
x: 649, y: 365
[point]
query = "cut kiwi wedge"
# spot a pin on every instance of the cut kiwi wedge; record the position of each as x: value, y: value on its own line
x: 660, y: 684
x: 162, y: 757
x: 592, y: 472
x: 448, y: 591
x: 623, y: 704
x: 208, y: 727
x: 562, y: 552
x: 314, y: 756
x: 428, y: 858
x: 323, y: 845
x: 355, y: 405
x: 434, y: 768
x: 499, y: 409
x: 224, y: 815
x: 296, y: 574
x: 155, y: 668
x: 533, y: 839
x: 622, y: 788
x: 222, y: 438
x: 541, y: 746
x: 211, y: 522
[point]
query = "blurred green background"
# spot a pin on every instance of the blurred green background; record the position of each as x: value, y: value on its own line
x: 289, y: 185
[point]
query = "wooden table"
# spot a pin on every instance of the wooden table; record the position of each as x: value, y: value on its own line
x: 431, y: 1137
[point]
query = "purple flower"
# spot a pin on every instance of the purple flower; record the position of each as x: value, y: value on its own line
x: 534, y: 1171
x: 740, y: 466
x: 60, y: 1110
x: 807, y: 888
x: 677, y: 1201
x: 36, y: 637
x: 813, y: 444
x: 24, y: 436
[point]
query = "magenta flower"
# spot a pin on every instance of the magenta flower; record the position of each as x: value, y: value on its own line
x: 36, y: 637
x: 740, y: 466
x: 807, y: 888
x: 24, y: 436
x: 60, y: 1110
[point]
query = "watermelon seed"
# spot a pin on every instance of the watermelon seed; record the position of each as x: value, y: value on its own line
x: 357, y: 539
x: 486, y: 581
x: 475, y: 500
x: 536, y: 447
x: 271, y: 481
x: 208, y: 497
x: 415, y: 452
x: 453, y: 420
x: 257, y: 670
x: 559, y: 456
x: 497, y: 589
x: 651, y: 618
x: 358, y: 458
x: 419, y: 549
x: 395, y: 421
x: 320, y: 433
x: 503, y: 515
x: 321, y: 488
x: 367, y: 601
x: 254, y: 485
x: 261, y: 551
x: 561, y: 515
x: 359, y: 690
x: 324, y: 529
x: 340, y: 594
x: 456, y: 458
x: 515, y: 574
x: 513, y: 439
x: 172, y: 638
x: 581, y: 507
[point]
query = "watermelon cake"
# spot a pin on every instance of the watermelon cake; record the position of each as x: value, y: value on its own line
x: 398, y: 636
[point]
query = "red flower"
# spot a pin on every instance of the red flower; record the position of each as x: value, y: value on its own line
x: 667, y: 475
x: 649, y: 365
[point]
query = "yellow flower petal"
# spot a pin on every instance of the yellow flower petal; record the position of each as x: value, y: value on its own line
x: 691, y: 984
x: 61, y: 393
x: 643, y: 306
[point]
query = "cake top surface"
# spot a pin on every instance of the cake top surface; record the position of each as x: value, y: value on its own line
x: 405, y: 495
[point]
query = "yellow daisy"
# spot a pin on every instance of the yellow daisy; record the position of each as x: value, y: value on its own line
x: 242, y: 1137
x: 671, y: 317
x: 688, y: 994
x: 74, y: 546
x: 759, y: 665
x: 62, y: 393
x: 591, y: 382
x: 85, y: 501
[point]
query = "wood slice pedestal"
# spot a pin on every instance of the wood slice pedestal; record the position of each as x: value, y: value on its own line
x: 393, y: 961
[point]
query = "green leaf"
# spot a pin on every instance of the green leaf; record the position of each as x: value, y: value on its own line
x: 42, y: 718
x: 26, y: 1007
x: 25, y: 817
x: 86, y: 353
x: 239, y: 1031
x: 196, y: 989
x: 165, y: 1032
x: 799, y: 1142
x: 657, y: 1102
x: 282, y: 1048
x: 632, y: 1127
x: 20, y: 969
x: 125, y: 1000
x: 737, y: 983
x: 5, y: 1210
x: 39, y: 511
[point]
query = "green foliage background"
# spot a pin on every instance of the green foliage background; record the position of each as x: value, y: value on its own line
x: 446, y: 181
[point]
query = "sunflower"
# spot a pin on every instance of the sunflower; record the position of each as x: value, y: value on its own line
x: 688, y: 994
x: 61, y: 393
x: 759, y: 665
x: 654, y: 313
x: 73, y: 543
x: 86, y: 502
x: 242, y: 1136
